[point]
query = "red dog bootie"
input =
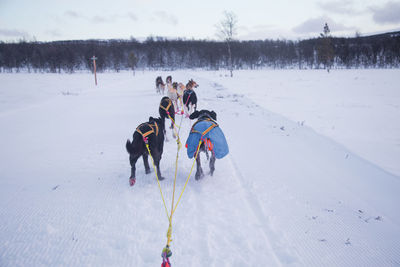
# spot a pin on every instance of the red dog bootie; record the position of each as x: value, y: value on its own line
x: 132, y: 181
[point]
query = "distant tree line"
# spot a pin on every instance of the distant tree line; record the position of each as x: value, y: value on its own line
x: 377, y: 51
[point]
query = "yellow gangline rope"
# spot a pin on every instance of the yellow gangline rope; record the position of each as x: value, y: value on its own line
x: 190, y: 173
x: 169, y: 232
x: 173, y: 209
x: 158, y: 181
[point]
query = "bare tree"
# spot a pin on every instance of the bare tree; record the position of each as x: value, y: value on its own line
x: 227, y: 30
x: 132, y: 61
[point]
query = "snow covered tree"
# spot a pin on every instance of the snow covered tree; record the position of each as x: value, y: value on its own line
x: 227, y: 29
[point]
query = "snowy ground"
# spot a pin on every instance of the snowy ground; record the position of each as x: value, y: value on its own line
x: 307, y: 181
x: 357, y: 108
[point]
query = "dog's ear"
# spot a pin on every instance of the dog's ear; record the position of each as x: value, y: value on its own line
x: 213, y: 115
x: 194, y: 115
x: 151, y: 119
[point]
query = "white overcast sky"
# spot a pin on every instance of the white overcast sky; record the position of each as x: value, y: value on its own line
x: 48, y: 20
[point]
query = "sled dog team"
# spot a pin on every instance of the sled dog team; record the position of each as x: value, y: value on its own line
x: 149, y: 136
x: 179, y: 93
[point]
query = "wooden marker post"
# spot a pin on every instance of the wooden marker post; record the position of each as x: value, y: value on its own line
x: 94, y: 69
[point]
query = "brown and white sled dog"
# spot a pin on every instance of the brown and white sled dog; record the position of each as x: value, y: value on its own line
x: 160, y: 85
x: 172, y: 92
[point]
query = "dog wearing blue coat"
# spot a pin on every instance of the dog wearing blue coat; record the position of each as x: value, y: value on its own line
x: 206, y: 130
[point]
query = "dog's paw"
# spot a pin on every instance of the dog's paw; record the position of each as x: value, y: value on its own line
x: 148, y: 171
x: 161, y: 178
x: 132, y: 181
x: 199, y: 176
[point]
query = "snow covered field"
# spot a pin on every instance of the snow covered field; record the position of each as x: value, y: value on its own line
x: 359, y: 109
x: 312, y: 178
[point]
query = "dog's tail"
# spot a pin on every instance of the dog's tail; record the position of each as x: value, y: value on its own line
x: 129, y: 147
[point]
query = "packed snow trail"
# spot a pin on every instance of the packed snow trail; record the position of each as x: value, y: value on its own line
x: 317, y: 194
x: 358, y: 108
x: 284, y: 196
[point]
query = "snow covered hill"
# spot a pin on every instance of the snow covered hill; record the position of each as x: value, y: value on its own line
x: 286, y: 195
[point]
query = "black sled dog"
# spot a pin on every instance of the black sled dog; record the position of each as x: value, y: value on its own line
x: 167, y: 111
x: 152, y: 133
x: 189, y: 98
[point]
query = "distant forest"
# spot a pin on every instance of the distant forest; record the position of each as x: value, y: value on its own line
x: 377, y: 51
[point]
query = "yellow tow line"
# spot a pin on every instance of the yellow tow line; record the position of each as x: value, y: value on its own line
x: 166, y: 250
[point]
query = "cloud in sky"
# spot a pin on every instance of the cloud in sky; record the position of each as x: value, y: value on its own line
x: 70, y: 14
x: 73, y: 14
x: 132, y: 16
x: 13, y: 33
x: 316, y: 25
x: 338, y: 7
x: 103, y: 19
x: 166, y: 17
x: 260, y: 32
x: 53, y: 33
x: 257, y: 20
x: 387, y: 14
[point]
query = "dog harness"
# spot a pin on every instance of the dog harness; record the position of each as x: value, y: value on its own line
x: 207, y: 142
x: 145, y: 129
x: 188, y: 93
x: 168, y: 106
x: 211, y: 135
x: 213, y: 125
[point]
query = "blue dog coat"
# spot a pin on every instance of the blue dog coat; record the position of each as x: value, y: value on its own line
x: 215, y: 135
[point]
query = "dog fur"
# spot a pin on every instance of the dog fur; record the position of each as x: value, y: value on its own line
x: 201, y: 115
x: 190, y: 98
x: 172, y: 93
x: 163, y: 113
x: 137, y: 148
x: 160, y: 85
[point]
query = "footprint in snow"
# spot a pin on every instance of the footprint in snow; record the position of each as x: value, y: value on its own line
x: 328, y: 210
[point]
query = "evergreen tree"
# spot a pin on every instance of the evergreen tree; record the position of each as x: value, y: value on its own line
x: 325, y: 49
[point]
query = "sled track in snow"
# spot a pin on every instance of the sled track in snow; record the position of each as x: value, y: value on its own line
x: 203, y: 232
x: 281, y: 256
